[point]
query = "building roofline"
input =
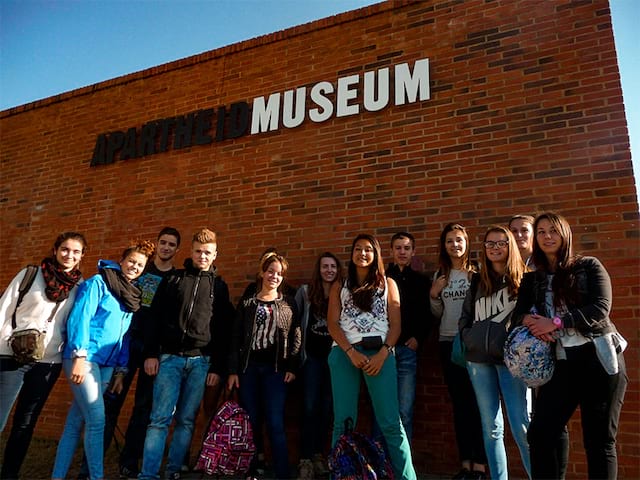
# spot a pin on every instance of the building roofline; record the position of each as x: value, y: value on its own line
x: 274, y: 37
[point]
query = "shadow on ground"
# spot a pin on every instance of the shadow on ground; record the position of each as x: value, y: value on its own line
x: 39, y: 463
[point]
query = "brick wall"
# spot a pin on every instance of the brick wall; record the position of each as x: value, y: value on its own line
x: 525, y: 114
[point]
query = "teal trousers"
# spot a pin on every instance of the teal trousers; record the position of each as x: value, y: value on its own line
x: 383, y: 390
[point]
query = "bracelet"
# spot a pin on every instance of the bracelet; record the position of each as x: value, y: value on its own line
x: 390, y: 349
x: 348, y: 349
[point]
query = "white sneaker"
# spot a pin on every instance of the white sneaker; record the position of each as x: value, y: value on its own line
x: 320, y: 465
x: 305, y: 469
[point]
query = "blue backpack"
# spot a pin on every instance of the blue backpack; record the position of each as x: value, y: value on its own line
x: 355, y: 456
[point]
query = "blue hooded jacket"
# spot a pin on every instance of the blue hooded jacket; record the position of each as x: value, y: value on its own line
x: 97, y: 323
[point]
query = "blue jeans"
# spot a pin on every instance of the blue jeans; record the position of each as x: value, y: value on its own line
x: 491, y: 382
x: 136, y: 431
x: 262, y: 389
x: 31, y: 385
x: 178, y: 388
x: 317, y: 405
x: 345, y: 384
x: 406, y: 364
x: 87, y: 409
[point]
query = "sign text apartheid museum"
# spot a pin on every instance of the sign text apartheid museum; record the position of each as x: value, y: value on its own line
x: 288, y: 109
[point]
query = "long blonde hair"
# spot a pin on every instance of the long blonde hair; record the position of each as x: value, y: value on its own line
x: 514, y: 268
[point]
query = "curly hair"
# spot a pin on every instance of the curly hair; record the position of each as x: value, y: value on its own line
x: 145, y: 247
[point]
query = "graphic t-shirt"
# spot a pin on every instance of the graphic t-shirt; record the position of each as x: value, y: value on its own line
x: 318, y: 340
x: 356, y: 323
x: 148, y: 284
x: 450, y: 303
x: 263, y: 346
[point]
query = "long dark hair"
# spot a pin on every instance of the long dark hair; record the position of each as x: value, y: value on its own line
x: 563, y: 284
x: 316, y: 289
x: 363, y: 293
x: 444, y: 260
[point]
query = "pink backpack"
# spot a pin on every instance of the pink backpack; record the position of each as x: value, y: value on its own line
x: 228, y: 446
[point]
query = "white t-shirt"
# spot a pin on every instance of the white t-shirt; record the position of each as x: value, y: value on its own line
x: 449, y: 306
x: 357, y: 324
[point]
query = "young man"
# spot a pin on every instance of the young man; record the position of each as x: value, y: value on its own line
x: 167, y: 246
x: 185, y: 352
x: 414, y: 311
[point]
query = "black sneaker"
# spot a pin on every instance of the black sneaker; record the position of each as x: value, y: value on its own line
x: 478, y: 475
x: 173, y: 476
x: 128, y: 473
x: 463, y: 474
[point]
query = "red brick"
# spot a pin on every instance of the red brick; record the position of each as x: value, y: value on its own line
x: 526, y: 113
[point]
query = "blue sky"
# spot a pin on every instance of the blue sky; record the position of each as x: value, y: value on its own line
x: 49, y: 47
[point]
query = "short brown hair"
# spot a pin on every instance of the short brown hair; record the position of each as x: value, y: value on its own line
x: 204, y: 236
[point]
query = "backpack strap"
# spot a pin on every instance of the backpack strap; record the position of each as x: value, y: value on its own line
x: 25, y: 284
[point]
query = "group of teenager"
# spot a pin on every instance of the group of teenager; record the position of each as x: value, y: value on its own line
x: 178, y: 330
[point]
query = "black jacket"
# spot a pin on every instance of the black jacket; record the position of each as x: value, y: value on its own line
x: 192, y: 313
x: 288, y: 339
x: 485, y: 322
x: 148, y: 284
x: 415, y: 311
x: 588, y: 313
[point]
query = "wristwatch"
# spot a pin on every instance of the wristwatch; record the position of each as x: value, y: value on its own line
x: 390, y: 349
x: 557, y: 321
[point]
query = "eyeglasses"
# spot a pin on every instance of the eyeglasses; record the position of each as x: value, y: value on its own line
x: 499, y: 244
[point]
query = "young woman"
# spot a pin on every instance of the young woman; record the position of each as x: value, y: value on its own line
x: 485, y: 320
x: 45, y: 306
x: 264, y: 355
x: 522, y: 228
x: 95, y: 345
x: 567, y: 300
x: 313, y: 301
x: 448, y: 290
x: 364, y: 322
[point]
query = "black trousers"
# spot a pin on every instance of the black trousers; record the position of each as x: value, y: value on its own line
x: 580, y: 380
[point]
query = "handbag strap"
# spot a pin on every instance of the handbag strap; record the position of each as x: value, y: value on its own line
x: 53, y: 314
x: 25, y: 285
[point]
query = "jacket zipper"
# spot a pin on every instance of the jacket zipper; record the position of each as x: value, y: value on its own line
x: 191, y: 305
x: 276, y: 313
x: 253, y: 323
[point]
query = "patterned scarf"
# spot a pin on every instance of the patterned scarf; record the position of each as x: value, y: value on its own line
x: 127, y: 294
x: 58, y: 282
